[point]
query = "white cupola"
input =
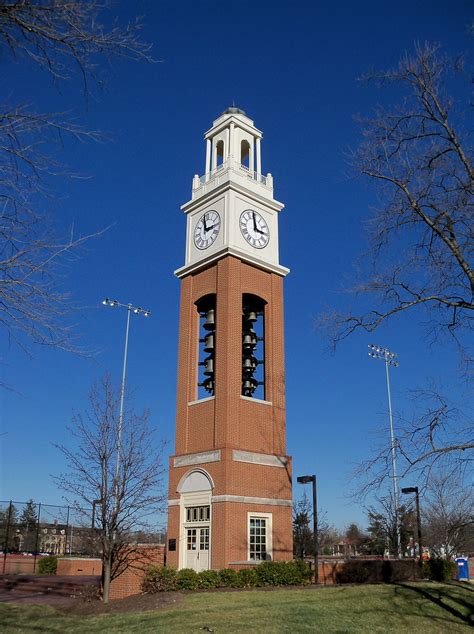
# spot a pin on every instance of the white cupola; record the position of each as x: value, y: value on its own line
x: 232, y: 210
x: 233, y: 145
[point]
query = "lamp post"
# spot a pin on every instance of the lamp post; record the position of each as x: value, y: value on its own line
x: 113, y: 303
x: 389, y: 357
x: 414, y: 490
x: 306, y: 480
x: 94, y: 504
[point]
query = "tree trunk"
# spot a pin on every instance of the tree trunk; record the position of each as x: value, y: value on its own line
x: 106, y: 569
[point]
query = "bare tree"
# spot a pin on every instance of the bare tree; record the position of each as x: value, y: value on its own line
x: 127, y: 501
x: 419, y: 155
x: 448, y: 516
x: 64, y: 37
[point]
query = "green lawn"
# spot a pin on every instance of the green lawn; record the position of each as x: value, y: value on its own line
x: 423, y: 607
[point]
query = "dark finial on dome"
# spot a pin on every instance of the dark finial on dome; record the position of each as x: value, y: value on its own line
x: 233, y: 110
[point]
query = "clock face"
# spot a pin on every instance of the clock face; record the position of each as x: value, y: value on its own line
x: 254, y: 228
x: 207, y: 229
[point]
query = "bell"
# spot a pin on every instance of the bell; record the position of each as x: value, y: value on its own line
x: 209, y: 366
x: 209, y: 342
x: 208, y: 385
x: 249, y: 338
x: 251, y: 316
x: 210, y: 323
x: 249, y: 363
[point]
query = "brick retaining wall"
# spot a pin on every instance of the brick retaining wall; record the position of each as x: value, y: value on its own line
x: 78, y: 566
x: 140, y: 558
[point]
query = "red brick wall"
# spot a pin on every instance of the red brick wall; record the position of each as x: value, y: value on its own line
x: 228, y: 421
x: 18, y: 564
x: 140, y: 558
x: 74, y: 566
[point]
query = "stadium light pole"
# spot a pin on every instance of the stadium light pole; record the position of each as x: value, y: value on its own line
x: 306, y: 480
x: 376, y: 352
x: 113, y: 303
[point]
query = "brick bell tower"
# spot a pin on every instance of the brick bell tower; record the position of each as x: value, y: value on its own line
x: 230, y: 502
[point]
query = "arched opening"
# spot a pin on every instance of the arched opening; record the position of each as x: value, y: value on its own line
x: 245, y: 154
x: 195, y: 534
x: 219, y: 154
x: 253, y: 346
x: 206, y: 308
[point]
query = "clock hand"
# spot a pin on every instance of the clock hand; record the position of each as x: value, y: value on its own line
x: 254, y: 222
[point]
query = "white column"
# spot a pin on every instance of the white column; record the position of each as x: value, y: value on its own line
x: 214, y: 154
x: 208, y: 155
x: 231, y: 141
x: 226, y: 146
x: 259, y: 157
x: 251, y: 156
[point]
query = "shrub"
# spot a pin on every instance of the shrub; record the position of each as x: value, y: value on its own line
x: 300, y: 570
x: 377, y: 571
x: 187, y: 579
x: 394, y: 571
x: 159, y: 579
x: 440, y: 569
x: 358, y: 572
x: 229, y: 578
x: 47, y: 565
x: 248, y: 577
x: 209, y: 579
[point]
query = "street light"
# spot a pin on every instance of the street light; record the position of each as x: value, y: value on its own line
x: 390, y: 360
x: 306, y: 480
x: 137, y: 311
x: 414, y: 490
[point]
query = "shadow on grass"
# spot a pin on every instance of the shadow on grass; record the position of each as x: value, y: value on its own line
x: 439, y: 595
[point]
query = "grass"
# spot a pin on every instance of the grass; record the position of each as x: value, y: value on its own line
x: 422, y: 607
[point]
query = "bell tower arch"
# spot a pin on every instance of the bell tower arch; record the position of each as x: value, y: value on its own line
x: 230, y: 418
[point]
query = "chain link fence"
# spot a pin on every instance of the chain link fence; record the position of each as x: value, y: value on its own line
x: 30, y: 530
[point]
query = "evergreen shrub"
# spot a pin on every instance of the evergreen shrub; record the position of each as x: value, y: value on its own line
x: 377, y: 571
x: 229, y: 578
x: 440, y: 569
x: 159, y: 579
x: 187, y: 579
x: 47, y: 565
x: 209, y: 579
x: 248, y: 577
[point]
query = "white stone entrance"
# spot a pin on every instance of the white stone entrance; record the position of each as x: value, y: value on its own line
x: 195, y: 521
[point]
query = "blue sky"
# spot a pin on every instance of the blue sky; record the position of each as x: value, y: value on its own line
x: 293, y: 67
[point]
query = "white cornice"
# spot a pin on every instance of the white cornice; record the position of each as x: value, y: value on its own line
x: 225, y: 120
x: 245, y: 257
x: 244, y: 499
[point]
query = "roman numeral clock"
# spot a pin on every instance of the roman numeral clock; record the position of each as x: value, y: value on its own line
x: 230, y: 498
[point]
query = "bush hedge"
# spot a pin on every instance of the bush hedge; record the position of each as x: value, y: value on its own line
x: 440, y: 569
x: 268, y: 573
x: 159, y: 579
x: 209, y: 579
x: 48, y: 565
x: 377, y: 571
x: 187, y: 579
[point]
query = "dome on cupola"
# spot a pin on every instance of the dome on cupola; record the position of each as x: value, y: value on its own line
x: 234, y: 110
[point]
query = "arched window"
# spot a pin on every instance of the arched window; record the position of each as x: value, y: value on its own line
x: 245, y: 154
x: 219, y: 153
x: 206, y: 308
x: 253, y: 346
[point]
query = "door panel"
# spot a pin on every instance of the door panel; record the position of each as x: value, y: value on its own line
x: 197, y: 548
